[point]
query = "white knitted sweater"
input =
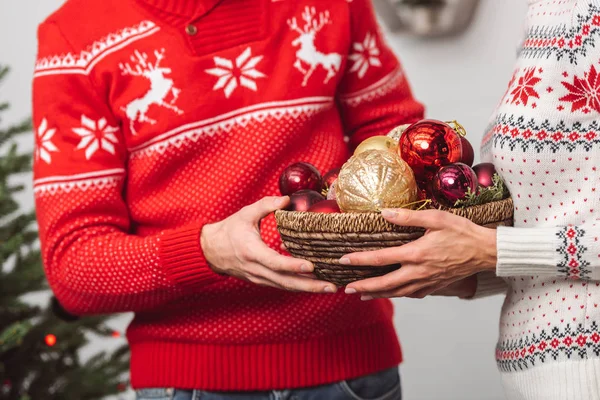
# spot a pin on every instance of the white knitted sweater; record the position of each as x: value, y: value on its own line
x: 545, y: 142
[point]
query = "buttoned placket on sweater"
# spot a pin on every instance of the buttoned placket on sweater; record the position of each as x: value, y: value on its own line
x: 156, y: 117
x: 545, y: 142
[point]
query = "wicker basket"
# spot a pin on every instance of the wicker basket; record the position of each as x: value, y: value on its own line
x: 324, y: 238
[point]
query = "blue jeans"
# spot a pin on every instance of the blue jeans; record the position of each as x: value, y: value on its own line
x: 384, y: 385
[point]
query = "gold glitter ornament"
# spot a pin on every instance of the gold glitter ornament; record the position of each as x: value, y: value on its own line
x: 397, y: 132
x: 377, y: 143
x: 374, y: 180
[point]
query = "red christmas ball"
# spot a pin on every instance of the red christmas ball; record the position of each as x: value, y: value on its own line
x: 330, y: 177
x: 485, y: 174
x: 326, y: 206
x: 300, y: 176
x: 303, y: 200
x: 428, y: 145
x: 452, y: 183
x: 468, y: 154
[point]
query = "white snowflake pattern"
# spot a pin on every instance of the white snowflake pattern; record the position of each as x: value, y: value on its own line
x: 366, y: 54
x: 96, y: 135
x: 241, y: 73
x: 43, y: 142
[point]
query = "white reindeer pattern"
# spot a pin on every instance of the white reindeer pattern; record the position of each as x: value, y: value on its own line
x: 160, y: 88
x: 308, y: 53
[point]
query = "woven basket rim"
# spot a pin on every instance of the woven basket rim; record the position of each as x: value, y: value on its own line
x: 372, y: 222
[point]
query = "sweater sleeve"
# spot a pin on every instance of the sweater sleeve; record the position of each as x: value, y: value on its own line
x: 488, y: 284
x: 94, y: 261
x: 572, y: 251
x: 374, y: 95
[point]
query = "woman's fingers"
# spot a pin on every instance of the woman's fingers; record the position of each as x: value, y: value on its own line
x: 428, y: 219
x: 403, y: 276
x: 296, y: 283
x: 409, y: 253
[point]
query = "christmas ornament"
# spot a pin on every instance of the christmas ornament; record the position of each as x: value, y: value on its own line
x: 397, y: 132
x: 304, y: 199
x: 468, y: 154
x: 60, y: 312
x: 452, y: 183
x: 422, y: 194
x: 331, y: 194
x: 374, y: 180
x: 330, y: 177
x: 300, y: 176
x: 485, y: 174
x: 377, y: 143
x: 50, y: 340
x: 116, y: 334
x: 428, y: 145
x: 327, y: 207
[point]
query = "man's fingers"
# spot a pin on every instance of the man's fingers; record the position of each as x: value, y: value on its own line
x: 265, y: 206
x: 408, y: 290
x: 428, y: 219
x: 425, y: 292
x: 264, y: 255
x: 297, y: 283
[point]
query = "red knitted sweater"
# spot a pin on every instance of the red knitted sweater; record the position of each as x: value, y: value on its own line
x: 156, y: 117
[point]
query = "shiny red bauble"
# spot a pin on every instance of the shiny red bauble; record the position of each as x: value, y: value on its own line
x: 452, y: 183
x: 303, y: 200
x: 428, y: 145
x: 300, y: 176
x: 485, y: 174
x: 468, y: 154
x: 326, y: 207
x: 330, y: 177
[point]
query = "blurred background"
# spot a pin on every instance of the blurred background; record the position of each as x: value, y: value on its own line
x: 448, y: 344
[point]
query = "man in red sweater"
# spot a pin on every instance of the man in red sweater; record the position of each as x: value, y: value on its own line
x: 161, y: 130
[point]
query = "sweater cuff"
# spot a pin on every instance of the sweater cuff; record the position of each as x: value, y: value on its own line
x: 488, y: 284
x: 183, y: 259
x: 526, y: 251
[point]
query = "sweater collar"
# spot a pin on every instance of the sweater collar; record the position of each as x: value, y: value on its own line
x: 188, y: 9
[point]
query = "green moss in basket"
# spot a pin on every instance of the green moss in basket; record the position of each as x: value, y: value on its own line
x: 498, y: 191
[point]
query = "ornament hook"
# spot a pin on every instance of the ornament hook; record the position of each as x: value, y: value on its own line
x: 458, y: 128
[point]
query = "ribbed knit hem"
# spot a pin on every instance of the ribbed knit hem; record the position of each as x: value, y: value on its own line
x: 488, y: 284
x: 526, y: 251
x: 314, y: 362
x: 566, y: 380
x: 183, y: 259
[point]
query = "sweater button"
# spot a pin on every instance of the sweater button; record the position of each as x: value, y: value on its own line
x: 191, y: 30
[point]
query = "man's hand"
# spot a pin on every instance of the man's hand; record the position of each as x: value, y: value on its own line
x: 234, y: 247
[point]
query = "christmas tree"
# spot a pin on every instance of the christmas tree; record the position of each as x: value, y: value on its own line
x: 39, y: 346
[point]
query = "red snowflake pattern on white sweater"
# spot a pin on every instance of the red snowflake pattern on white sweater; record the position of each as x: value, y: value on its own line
x: 547, y: 153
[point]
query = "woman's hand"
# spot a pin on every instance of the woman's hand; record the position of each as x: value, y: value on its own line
x: 452, y: 249
x: 234, y: 247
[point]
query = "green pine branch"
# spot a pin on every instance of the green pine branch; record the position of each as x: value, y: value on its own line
x: 34, y: 369
x: 498, y: 191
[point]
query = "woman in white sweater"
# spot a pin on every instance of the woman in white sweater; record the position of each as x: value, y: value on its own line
x: 545, y: 143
